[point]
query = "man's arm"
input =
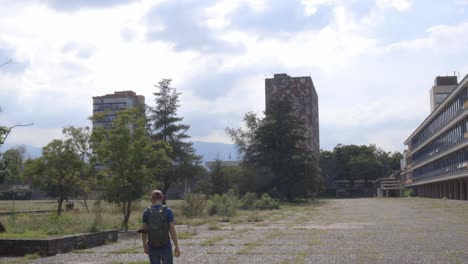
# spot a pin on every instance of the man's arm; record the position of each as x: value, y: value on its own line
x: 173, y: 233
x: 144, y: 238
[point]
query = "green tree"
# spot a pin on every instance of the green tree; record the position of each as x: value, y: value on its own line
x: 328, y: 166
x: 60, y: 172
x: 128, y: 154
x: 352, y: 162
x: 13, y: 161
x: 80, y: 139
x: 218, y: 181
x: 165, y: 125
x: 276, y: 147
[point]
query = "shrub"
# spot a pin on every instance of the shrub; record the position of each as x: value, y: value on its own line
x: 248, y: 201
x: 194, y: 205
x: 254, y: 217
x: 97, y: 221
x: 266, y: 203
x: 222, y: 205
x: 409, y: 193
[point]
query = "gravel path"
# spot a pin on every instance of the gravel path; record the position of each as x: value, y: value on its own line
x: 406, y: 230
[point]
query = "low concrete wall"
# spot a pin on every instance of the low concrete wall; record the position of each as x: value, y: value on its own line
x: 52, y: 246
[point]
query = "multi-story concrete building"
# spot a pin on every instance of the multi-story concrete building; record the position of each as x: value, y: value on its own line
x: 301, y: 92
x: 437, y: 155
x: 443, y: 86
x: 110, y: 104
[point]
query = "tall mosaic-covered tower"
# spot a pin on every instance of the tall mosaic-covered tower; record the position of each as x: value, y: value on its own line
x: 301, y: 92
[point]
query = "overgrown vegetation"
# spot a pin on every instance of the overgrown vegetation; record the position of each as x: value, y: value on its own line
x: 275, y: 149
x: 352, y: 162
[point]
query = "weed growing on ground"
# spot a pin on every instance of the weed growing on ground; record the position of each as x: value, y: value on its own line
x: 212, y: 241
x: 214, y: 226
x: 132, y: 262
x: 186, y: 235
x: 254, y: 217
x: 248, y: 247
x: 300, y: 258
x: 132, y: 250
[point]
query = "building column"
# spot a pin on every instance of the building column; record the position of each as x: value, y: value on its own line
x: 446, y: 189
x: 462, y: 189
x: 450, y: 184
x: 441, y: 192
x: 437, y: 185
x: 456, y: 188
x: 466, y: 186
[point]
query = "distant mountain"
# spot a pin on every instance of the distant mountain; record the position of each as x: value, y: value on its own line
x: 33, y: 152
x: 213, y: 150
x: 208, y: 150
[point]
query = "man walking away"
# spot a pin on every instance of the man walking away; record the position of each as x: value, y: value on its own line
x: 158, y: 223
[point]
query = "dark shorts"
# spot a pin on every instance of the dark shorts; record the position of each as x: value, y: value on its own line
x: 160, y: 255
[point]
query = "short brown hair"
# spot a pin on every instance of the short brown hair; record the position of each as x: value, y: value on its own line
x: 157, y: 195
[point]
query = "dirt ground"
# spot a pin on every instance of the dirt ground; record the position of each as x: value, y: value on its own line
x: 400, y: 230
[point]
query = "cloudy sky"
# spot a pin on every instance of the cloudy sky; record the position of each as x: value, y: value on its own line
x: 372, y: 61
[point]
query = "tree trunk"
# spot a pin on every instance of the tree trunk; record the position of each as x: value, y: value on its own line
x: 124, y: 209
x: 127, y: 214
x: 2, y: 228
x: 164, y: 191
x: 85, y: 202
x: 59, y: 208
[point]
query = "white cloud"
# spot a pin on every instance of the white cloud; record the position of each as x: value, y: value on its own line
x: 361, y: 82
x: 42, y: 136
x: 389, y: 139
x: 215, y: 136
x: 400, y: 5
x: 438, y: 38
x: 311, y: 6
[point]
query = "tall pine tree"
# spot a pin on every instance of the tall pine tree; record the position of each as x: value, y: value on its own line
x: 165, y: 125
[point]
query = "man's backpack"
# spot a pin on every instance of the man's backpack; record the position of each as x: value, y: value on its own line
x: 158, y: 226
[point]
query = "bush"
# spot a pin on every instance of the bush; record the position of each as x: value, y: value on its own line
x: 409, y: 193
x: 266, y: 203
x: 194, y: 205
x: 222, y: 205
x: 96, y: 224
x: 248, y: 201
x: 254, y: 217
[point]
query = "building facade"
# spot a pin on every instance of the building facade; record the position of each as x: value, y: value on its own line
x: 437, y: 156
x: 301, y: 92
x: 443, y: 86
x: 111, y: 104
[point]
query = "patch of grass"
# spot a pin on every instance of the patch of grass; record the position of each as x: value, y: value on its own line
x: 274, y: 234
x: 131, y: 262
x: 25, y: 259
x: 214, y: 226
x: 314, y: 242
x: 300, y: 258
x: 32, y: 256
x: 254, y: 217
x: 212, y: 241
x: 186, y: 235
x: 83, y: 251
x: 248, y: 247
